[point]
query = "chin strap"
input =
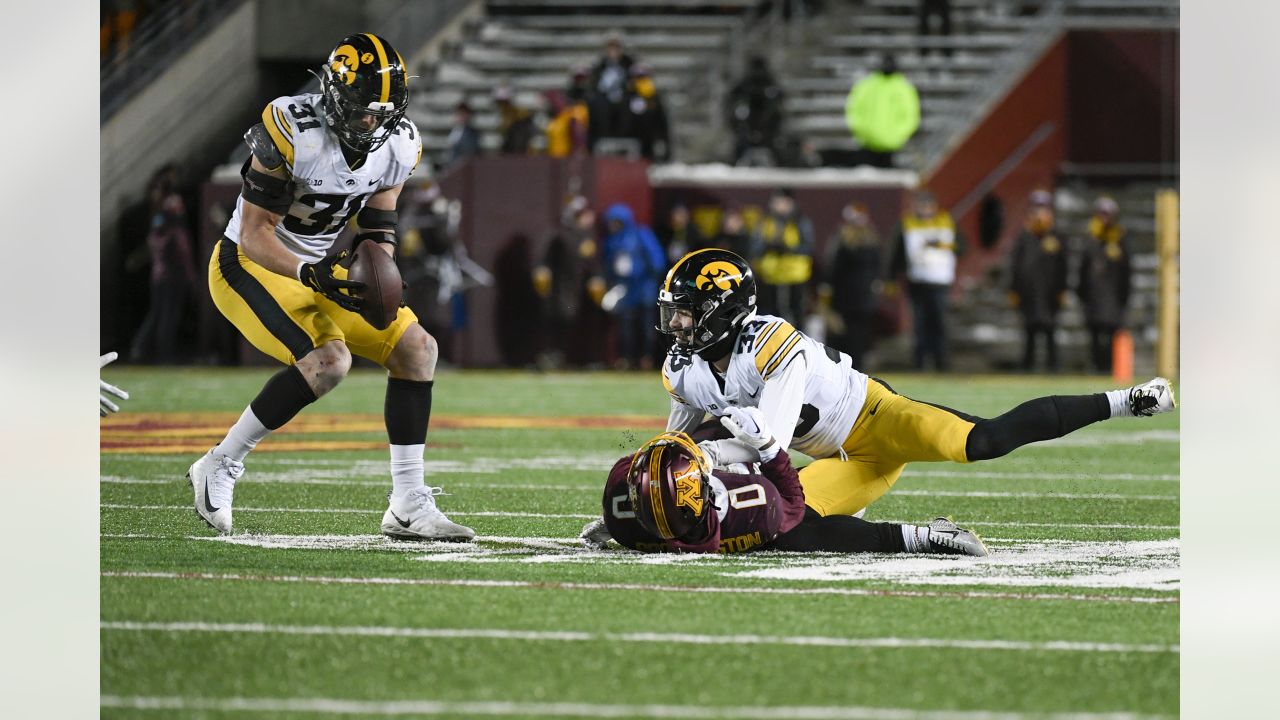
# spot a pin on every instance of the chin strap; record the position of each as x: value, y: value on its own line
x: 718, y: 349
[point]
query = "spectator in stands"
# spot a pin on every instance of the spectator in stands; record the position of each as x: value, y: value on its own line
x: 608, y: 85
x: 754, y: 111
x: 680, y: 236
x: 1104, y: 280
x: 850, y: 274
x: 515, y: 123
x: 464, y: 139
x: 173, y: 275
x: 925, y: 251
x: 633, y: 266
x: 930, y: 9
x: 883, y: 112
x: 1039, y: 279
x: 733, y: 233
x: 646, y: 115
x: 567, y: 127
x: 783, y: 247
x: 564, y: 284
x: 119, y: 17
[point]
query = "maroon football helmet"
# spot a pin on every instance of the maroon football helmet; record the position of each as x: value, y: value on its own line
x: 668, y: 487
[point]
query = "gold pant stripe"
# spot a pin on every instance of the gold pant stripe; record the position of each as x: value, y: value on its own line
x: 891, y: 431
x: 285, y: 319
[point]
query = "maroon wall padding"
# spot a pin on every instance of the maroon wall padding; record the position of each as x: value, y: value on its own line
x: 1040, y: 97
x: 821, y: 204
x: 1122, y: 91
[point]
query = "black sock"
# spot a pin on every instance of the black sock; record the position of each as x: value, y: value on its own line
x: 407, y: 410
x: 1044, y: 418
x: 840, y: 534
x: 284, y: 396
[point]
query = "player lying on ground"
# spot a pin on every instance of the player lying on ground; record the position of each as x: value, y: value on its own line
x: 317, y: 161
x: 859, y: 431
x: 675, y: 496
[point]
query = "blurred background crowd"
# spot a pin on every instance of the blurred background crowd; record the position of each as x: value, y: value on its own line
x: 931, y: 184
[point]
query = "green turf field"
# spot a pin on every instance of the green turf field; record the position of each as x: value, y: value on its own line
x: 307, y: 612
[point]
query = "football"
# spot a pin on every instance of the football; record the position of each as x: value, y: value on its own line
x: 383, y: 289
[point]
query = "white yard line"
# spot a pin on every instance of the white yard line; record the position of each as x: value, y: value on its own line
x: 627, y: 587
x: 661, y: 638
x: 365, y: 708
x: 335, y: 511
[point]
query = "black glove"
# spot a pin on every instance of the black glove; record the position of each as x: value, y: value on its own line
x: 319, y: 277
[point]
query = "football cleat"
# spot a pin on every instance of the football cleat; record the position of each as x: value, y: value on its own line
x: 950, y: 539
x: 1151, y: 398
x: 416, y: 517
x: 213, y: 482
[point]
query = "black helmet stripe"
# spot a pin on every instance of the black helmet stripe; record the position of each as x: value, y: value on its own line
x: 672, y: 272
x: 383, y: 63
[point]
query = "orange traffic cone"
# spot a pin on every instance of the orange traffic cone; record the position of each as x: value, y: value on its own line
x: 1122, y: 357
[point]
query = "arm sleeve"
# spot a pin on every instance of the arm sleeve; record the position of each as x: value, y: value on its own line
x: 784, y: 477
x: 782, y: 397
x: 683, y: 417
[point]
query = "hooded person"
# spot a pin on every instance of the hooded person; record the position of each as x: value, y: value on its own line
x: 883, y: 112
x: 633, y: 264
x: 1039, y: 278
x: 1104, y: 280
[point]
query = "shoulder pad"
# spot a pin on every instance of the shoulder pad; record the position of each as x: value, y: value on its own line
x: 776, y: 343
x: 263, y: 147
x: 280, y: 132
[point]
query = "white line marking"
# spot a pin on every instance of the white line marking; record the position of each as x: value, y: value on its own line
x: 338, y: 511
x: 334, y: 706
x: 626, y: 587
x: 1014, y: 475
x: 664, y: 638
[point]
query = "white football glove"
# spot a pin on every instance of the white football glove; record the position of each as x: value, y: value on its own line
x: 105, y: 406
x: 749, y: 426
x: 595, y: 535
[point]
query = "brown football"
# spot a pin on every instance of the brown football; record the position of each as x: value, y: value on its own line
x: 383, y: 291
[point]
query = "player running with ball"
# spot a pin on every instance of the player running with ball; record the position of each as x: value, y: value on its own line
x: 319, y: 160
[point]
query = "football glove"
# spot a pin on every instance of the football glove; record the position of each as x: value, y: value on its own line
x: 595, y: 535
x: 105, y: 406
x: 319, y: 277
x: 748, y: 426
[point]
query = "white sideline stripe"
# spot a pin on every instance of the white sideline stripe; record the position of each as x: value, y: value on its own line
x: 335, y: 706
x: 844, y: 591
x: 665, y: 638
x: 1009, y: 474
x: 335, y: 511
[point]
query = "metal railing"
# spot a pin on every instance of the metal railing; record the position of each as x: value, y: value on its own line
x: 158, y: 39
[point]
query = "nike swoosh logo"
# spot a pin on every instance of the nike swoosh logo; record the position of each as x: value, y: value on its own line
x: 208, y: 505
x: 753, y: 395
x: 877, y: 407
x: 403, y: 523
x: 375, y: 182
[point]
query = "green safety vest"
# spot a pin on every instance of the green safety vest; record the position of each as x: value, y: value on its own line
x: 883, y: 111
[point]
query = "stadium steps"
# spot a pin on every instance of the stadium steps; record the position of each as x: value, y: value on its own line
x: 534, y: 47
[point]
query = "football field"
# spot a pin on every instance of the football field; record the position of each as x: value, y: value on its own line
x: 307, y: 611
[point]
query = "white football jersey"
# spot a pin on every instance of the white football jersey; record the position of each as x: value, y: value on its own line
x: 326, y: 192
x: 833, y: 390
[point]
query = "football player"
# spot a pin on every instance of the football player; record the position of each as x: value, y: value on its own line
x: 858, y: 430
x: 319, y: 161
x: 674, y: 496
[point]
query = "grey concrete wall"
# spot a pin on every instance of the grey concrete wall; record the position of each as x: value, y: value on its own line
x: 180, y: 113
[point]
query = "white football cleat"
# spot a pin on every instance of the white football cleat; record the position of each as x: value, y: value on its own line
x: 416, y: 517
x: 1152, y: 398
x: 213, y: 482
x: 950, y: 539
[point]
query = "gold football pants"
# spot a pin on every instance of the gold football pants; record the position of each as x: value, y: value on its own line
x: 286, y: 319
x: 891, y: 431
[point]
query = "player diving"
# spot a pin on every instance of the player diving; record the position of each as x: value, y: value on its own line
x: 726, y: 356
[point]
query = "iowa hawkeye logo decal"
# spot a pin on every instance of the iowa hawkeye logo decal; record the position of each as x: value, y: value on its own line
x: 720, y: 274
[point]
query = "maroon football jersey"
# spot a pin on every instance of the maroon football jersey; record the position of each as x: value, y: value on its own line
x: 750, y: 510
